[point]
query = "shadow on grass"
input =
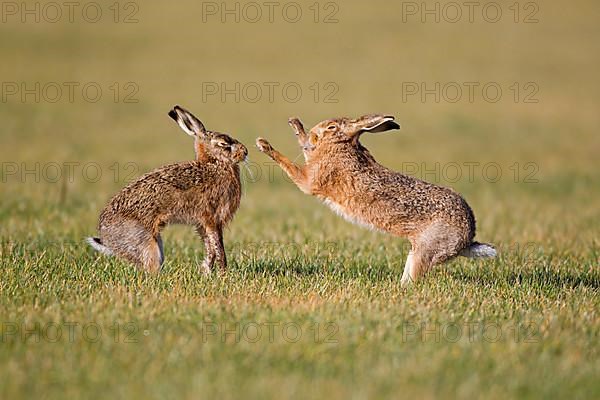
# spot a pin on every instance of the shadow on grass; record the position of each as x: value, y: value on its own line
x: 303, y: 267
x: 536, y: 278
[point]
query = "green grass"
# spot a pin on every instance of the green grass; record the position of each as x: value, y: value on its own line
x: 360, y: 334
x: 333, y: 319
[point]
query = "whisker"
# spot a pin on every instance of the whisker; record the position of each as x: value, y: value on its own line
x: 245, y: 163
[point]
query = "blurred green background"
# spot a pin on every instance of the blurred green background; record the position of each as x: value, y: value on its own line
x: 369, y: 56
x: 348, y: 59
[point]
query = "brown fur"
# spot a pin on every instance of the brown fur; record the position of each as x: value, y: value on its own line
x: 204, y: 193
x: 340, y: 171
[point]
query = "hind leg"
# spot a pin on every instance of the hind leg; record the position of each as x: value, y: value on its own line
x: 417, y: 264
x: 152, y: 254
x: 133, y: 242
x: 159, y: 242
x: 435, y: 245
x: 406, y: 275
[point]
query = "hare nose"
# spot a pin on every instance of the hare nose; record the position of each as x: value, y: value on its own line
x: 241, y: 149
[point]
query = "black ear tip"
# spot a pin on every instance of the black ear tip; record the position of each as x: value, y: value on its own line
x: 173, y: 114
x: 394, y: 125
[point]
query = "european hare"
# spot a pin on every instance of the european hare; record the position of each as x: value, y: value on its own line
x: 204, y: 193
x: 437, y: 221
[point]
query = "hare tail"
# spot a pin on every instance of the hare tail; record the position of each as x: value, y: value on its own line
x: 479, y: 250
x: 96, y: 243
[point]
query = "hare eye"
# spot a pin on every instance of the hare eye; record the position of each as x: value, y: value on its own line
x: 331, y: 127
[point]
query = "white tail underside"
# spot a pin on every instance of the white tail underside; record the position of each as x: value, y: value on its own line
x: 97, y: 245
x: 479, y: 250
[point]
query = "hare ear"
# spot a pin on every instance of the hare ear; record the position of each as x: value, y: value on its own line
x: 374, y: 123
x: 188, y: 122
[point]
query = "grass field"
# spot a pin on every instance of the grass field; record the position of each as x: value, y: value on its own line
x: 311, y: 306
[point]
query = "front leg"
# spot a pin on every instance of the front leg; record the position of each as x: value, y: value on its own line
x: 302, y: 136
x: 215, y: 250
x: 297, y: 174
x: 209, y: 249
x: 221, y: 258
x: 299, y: 131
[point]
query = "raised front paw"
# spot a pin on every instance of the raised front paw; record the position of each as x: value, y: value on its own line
x: 297, y: 126
x: 264, y: 146
x: 294, y: 122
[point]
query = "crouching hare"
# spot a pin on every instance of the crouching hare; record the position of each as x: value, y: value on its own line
x: 437, y: 221
x: 204, y: 193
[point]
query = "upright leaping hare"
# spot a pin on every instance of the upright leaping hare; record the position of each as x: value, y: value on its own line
x: 204, y: 193
x: 437, y: 221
